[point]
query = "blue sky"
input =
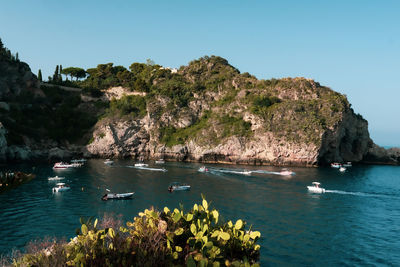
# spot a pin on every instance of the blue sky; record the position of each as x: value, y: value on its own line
x: 351, y: 46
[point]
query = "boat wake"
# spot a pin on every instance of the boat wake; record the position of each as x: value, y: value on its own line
x: 147, y: 168
x: 359, y: 194
x: 276, y: 173
x: 231, y: 171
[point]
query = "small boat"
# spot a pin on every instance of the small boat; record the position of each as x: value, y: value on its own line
x: 61, y: 187
x: 117, y: 196
x: 336, y: 165
x: 109, y: 162
x: 342, y: 169
x: 55, y: 178
x: 315, y: 188
x: 176, y: 186
x: 286, y: 172
x: 347, y: 164
x: 141, y: 164
x: 160, y: 161
x: 62, y: 165
x: 246, y: 173
x: 203, y: 169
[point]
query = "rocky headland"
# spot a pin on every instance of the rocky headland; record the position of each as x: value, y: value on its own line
x: 206, y: 111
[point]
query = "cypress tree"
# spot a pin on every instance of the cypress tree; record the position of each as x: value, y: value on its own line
x: 55, y: 75
x: 40, y: 75
x: 60, y: 76
x: 16, y: 57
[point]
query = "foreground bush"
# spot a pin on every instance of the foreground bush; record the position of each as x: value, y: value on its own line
x: 167, y: 238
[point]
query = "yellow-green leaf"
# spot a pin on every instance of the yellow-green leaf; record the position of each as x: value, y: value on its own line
x: 238, y: 224
x: 256, y: 247
x: 95, y: 223
x: 179, y: 231
x: 166, y: 210
x: 178, y: 248
x: 225, y: 236
x: 84, y: 229
x: 175, y: 255
x: 255, y: 234
x: 205, y: 204
x: 193, y: 229
x: 195, y: 207
x: 215, y: 215
x: 189, y: 217
x: 176, y: 217
x: 246, y: 238
x: 111, y: 232
x: 215, y: 233
x: 230, y: 224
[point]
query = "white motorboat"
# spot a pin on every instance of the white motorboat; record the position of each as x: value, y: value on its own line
x: 109, y: 162
x: 315, y: 188
x: 286, y: 172
x: 141, y: 164
x: 246, y: 172
x: 203, y: 169
x: 117, y: 196
x: 342, y: 169
x: 55, y: 178
x: 336, y: 165
x: 176, y: 186
x: 62, y: 165
x: 160, y: 161
x: 61, y: 187
x: 347, y: 164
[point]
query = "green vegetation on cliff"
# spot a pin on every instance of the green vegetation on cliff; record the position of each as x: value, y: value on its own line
x: 167, y: 238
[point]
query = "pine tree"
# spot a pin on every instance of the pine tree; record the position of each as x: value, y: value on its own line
x: 40, y: 75
x: 16, y: 57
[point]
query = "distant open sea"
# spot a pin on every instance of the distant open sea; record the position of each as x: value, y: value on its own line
x: 355, y: 223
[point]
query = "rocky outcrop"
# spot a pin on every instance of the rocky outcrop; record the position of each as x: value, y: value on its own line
x: 348, y: 141
x: 120, y: 139
x: 380, y: 155
x: 16, y: 77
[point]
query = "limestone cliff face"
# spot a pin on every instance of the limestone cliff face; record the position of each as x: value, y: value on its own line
x: 289, y: 122
x: 347, y: 141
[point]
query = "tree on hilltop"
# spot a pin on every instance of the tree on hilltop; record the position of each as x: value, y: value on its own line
x: 40, y: 75
x: 78, y: 73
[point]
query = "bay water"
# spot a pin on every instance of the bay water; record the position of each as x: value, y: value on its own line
x: 356, y: 222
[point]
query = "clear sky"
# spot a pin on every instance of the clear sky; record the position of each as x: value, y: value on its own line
x: 351, y: 46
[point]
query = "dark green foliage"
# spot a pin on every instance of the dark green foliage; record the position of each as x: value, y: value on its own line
x: 235, y: 126
x: 78, y: 73
x: 260, y: 104
x: 172, y: 136
x: 57, y: 117
x: 93, y: 92
x: 168, y: 238
x: 132, y: 105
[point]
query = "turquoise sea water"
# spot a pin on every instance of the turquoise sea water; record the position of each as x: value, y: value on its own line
x: 356, y: 222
